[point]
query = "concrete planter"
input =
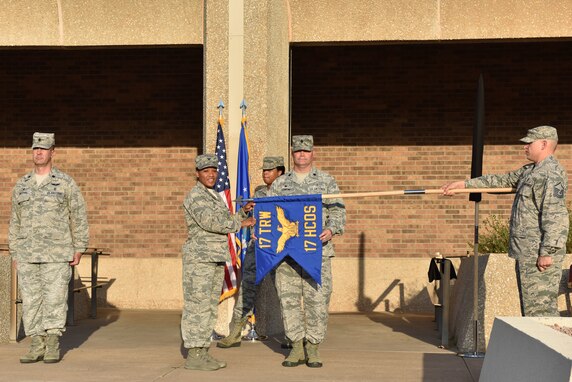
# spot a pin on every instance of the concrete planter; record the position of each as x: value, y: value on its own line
x: 498, y: 296
x: 527, y: 349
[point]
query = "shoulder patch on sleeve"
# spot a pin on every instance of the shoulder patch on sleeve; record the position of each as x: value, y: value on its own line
x: 558, y: 191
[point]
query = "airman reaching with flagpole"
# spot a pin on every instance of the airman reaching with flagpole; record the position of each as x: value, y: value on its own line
x: 539, y: 220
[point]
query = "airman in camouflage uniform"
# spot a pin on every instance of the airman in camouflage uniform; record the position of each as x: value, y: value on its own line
x: 539, y: 220
x: 48, y: 234
x: 272, y: 168
x: 204, y: 255
x: 304, y: 303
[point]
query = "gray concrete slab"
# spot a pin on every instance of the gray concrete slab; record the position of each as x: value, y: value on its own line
x: 146, y: 346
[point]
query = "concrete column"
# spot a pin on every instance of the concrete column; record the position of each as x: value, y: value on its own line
x: 246, y: 55
x: 216, y: 66
x: 266, y: 80
x: 5, y: 296
x: 266, y: 88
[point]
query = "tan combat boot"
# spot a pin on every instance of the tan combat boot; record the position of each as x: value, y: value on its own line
x: 233, y: 338
x: 296, y: 356
x: 198, y: 360
x: 220, y: 364
x: 37, y: 350
x: 52, y: 349
x: 313, y: 355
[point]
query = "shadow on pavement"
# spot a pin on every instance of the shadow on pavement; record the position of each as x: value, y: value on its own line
x: 418, y: 326
x: 78, y: 334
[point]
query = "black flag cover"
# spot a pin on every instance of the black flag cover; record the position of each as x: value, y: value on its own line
x: 478, y: 139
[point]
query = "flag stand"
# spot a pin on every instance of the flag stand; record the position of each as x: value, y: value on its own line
x: 252, y: 335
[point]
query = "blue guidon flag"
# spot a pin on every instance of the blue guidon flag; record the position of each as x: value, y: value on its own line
x: 288, y: 226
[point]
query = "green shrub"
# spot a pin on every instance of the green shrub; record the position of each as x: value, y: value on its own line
x: 494, y: 237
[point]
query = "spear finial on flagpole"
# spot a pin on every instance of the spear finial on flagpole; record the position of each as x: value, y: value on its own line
x: 243, y: 106
x: 220, y: 108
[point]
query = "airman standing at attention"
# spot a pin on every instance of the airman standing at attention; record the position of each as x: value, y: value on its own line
x: 47, y: 236
x: 304, y: 303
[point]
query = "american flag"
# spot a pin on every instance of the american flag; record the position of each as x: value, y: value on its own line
x: 222, y: 186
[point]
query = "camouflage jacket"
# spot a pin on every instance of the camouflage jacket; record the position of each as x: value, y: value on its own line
x: 208, y: 223
x: 539, y: 217
x: 49, y: 221
x: 317, y: 182
x: 261, y: 191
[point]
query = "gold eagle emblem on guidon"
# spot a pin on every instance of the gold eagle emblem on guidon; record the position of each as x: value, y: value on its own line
x: 289, y: 229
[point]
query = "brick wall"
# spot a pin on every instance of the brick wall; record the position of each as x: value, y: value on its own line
x: 399, y: 117
x: 128, y: 126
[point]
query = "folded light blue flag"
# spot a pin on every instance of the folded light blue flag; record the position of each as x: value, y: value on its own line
x: 288, y: 226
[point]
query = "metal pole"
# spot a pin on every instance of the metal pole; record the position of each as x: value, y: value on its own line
x: 445, y: 307
x: 71, y: 298
x: 94, y: 266
x: 475, y: 353
x: 14, y: 304
x: 476, y: 280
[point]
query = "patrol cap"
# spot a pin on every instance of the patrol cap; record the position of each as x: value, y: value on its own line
x: 43, y: 140
x: 270, y: 163
x: 206, y: 160
x: 540, y: 132
x: 302, y: 143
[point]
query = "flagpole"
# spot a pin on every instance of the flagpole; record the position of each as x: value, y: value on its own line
x: 252, y: 335
x: 406, y: 192
x: 222, y: 187
x: 419, y: 192
x: 476, y: 171
x: 242, y: 179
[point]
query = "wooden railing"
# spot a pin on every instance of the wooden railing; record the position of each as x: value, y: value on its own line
x: 95, y: 282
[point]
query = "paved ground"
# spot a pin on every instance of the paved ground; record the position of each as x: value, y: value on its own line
x: 146, y: 346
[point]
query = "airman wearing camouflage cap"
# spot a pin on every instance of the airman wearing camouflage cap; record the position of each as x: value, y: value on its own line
x: 540, y: 132
x: 43, y: 140
x: 204, y: 254
x: 292, y: 280
x: 48, y: 234
x: 205, y: 161
x: 272, y: 168
x: 539, y: 220
x: 269, y: 163
x: 302, y: 143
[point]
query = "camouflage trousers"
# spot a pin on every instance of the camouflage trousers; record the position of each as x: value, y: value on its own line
x: 304, y: 303
x: 44, y: 292
x: 202, y: 285
x: 247, y: 292
x: 539, y: 290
